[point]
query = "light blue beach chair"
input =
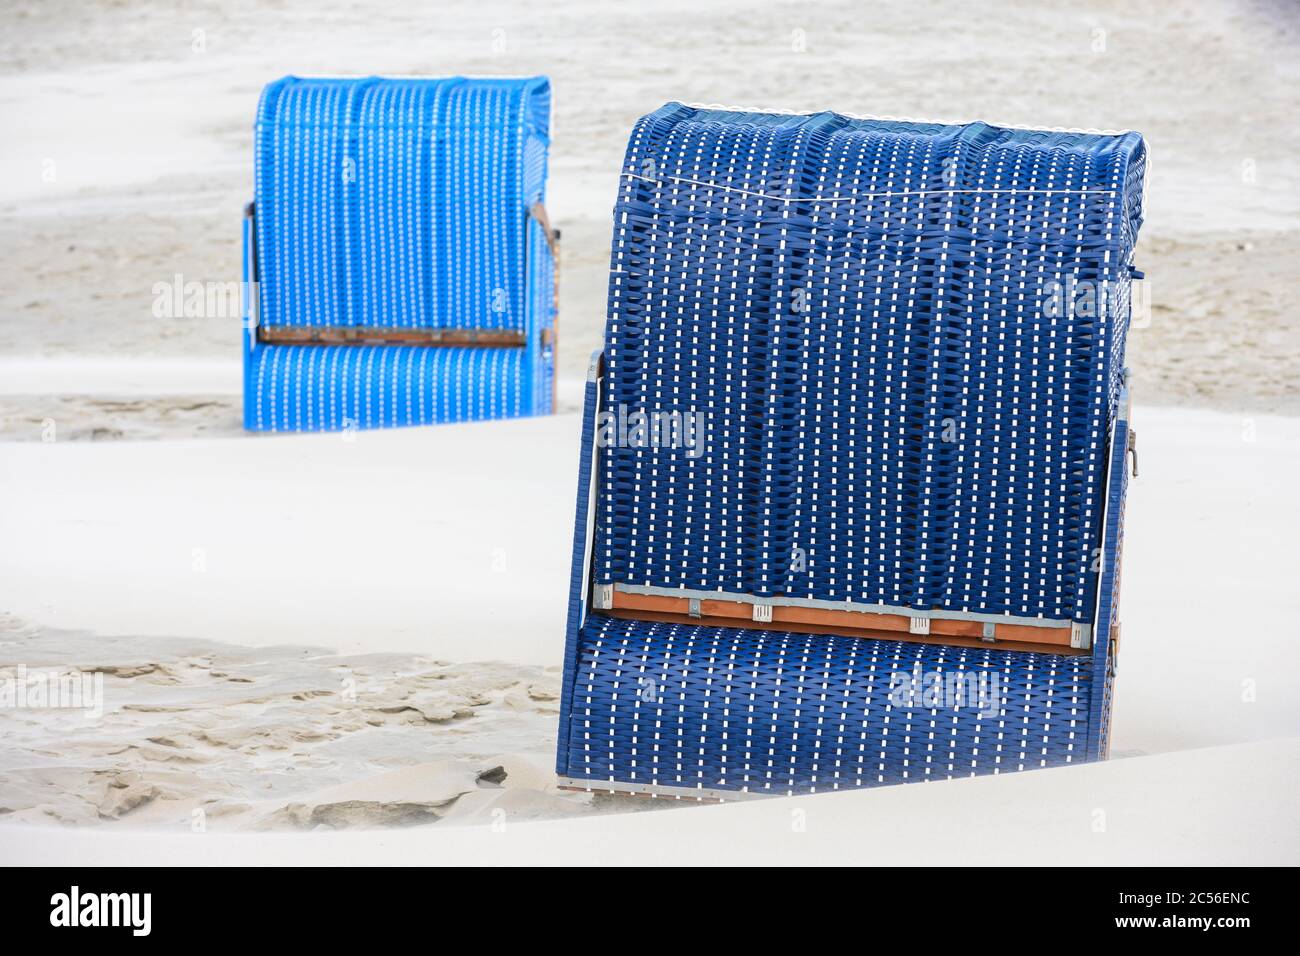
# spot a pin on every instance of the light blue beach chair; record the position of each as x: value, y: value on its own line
x: 403, y: 266
x: 853, y: 471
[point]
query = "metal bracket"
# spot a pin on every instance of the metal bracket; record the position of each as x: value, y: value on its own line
x: 988, y: 634
x: 602, y: 598
x: 253, y: 276
x: 693, y: 607
x: 763, y: 613
x: 1080, y: 635
x: 919, y: 625
x: 1133, y: 448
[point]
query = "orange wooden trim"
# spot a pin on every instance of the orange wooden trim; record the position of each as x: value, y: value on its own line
x: 816, y: 620
x: 367, y: 335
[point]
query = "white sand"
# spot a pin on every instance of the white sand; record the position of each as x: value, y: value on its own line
x: 401, y: 584
x: 288, y: 649
x: 406, y: 540
x: 1223, y: 806
x: 283, y: 737
x: 151, y: 143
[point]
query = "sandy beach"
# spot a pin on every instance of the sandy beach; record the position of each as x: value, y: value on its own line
x: 136, y: 156
x: 283, y: 662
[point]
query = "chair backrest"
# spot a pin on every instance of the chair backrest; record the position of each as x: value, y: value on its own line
x: 398, y: 203
x: 905, y: 342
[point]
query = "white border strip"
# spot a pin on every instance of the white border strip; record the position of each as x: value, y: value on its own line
x: 670, y: 793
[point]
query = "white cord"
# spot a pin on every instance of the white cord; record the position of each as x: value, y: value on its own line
x: 872, y: 195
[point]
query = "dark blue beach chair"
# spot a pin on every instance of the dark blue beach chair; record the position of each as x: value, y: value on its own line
x: 854, y: 456
x: 404, y: 266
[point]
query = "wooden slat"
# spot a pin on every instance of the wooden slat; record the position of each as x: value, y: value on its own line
x: 367, y: 335
x: 812, y: 620
x: 867, y: 633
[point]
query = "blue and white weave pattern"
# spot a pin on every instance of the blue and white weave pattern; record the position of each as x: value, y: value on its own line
x: 681, y: 706
x: 325, y: 387
x: 905, y: 340
x: 907, y: 343
x: 400, y: 204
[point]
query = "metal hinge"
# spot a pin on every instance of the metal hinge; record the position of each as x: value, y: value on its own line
x: 603, y: 597
x: 1080, y: 635
x: 1133, y: 449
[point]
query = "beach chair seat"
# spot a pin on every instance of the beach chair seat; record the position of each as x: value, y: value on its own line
x: 715, y: 709
x: 850, y: 501
x: 402, y: 264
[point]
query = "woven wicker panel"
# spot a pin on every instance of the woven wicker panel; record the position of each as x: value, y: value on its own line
x: 670, y: 705
x: 401, y: 203
x: 331, y: 387
x: 857, y: 308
